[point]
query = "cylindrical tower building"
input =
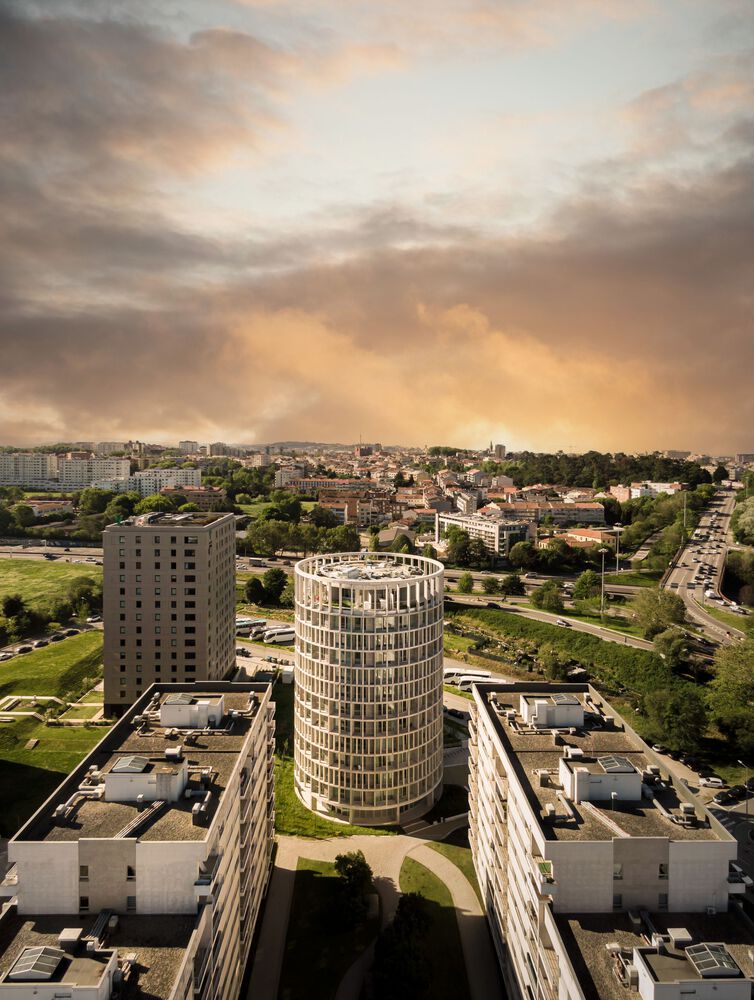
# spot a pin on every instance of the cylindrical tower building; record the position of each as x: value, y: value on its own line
x: 368, y: 685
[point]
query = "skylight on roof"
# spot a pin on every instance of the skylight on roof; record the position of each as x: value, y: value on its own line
x: 130, y: 765
x: 615, y: 764
x: 711, y: 960
x: 36, y: 963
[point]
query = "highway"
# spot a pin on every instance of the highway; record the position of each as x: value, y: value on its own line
x: 610, y: 635
x: 699, y: 569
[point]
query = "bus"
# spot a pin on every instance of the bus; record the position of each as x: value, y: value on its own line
x: 451, y: 675
x: 282, y: 634
x: 465, y: 681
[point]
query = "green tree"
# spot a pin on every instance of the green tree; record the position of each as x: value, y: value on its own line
x: 188, y: 508
x: 671, y: 644
x: 13, y: 606
x: 93, y: 500
x: 402, y: 543
x: 274, y: 581
x: 587, y: 585
x: 24, y: 515
x: 513, y: 585
x: 547, y: 597
x: 731, y: 694
x: 465, y: 583
x: 523, y: 555
x: 491, y: 585
x: 322, y: 517
x: 477, y: 553
x: 154, y: 503
x: 656, y: 610
x: 267, y: 538
x: 353, y: 868
x: 288, y: 595
x: 458, y: 547
x: 555, y: 663
x: 720, y: 474
x: 429, y: 552
x: 243, y: 498
x: 254, y: 590
x: 678, y: 715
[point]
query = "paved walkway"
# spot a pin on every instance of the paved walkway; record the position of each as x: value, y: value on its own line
x: 385, y: 856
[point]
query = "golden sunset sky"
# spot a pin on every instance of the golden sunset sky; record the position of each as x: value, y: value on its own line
x: 443, y: 221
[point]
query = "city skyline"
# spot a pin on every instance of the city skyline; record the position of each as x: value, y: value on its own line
x: 468, y: 221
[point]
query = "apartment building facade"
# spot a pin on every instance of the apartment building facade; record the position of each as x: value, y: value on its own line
x: 368, y: 695
x: 168, y: 602
x: 32, y: 469
x: 146, y: 869
x: 78, y: 473
x: 497, y: 532
x: 591, y: 860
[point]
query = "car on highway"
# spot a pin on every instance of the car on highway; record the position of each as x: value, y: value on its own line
x: 711, y: 782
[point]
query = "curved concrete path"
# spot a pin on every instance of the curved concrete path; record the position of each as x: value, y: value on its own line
x: 385, y: 856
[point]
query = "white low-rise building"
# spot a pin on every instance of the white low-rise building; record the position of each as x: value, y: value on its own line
x: 600, y: 875
x: 150, y: 861
x: 497, y: 532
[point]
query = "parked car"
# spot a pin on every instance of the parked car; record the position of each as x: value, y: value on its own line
x: 92, y: 619
x: 711, y: 781
x: 240, y: 651
x: 738, y: 792
x: 723, y: 799
x: 24, y: 649
x: 5, y: 656
x: 40, y: 643
x: 71, y: 631
x: 659, y: 748
x: 56, y: 637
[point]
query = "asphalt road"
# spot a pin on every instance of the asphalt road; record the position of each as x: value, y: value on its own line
x: 700, y: 567
x: 610, y: 635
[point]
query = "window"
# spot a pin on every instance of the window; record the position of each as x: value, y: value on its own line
x: 130, y: 904
x: 130, y: 873
x: 122, y: 580
x: 84, y: 873
x: 122, y: 682
x: 617, y: 901
x: 123, y: 694
x: 83, y: 904
x: 664, y: 872
x: 123, y: 630
x: 662, y: 901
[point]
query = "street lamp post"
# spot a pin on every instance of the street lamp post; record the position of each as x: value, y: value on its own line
x: 618, y: 528
x: 603, y: 553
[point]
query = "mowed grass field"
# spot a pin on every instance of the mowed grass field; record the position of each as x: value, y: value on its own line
x: 38, y: 580
x: 27, y: 777
x: 55, y: 670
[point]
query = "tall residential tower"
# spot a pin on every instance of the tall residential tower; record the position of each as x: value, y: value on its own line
x: 368, y: 710
x: 169, y: 602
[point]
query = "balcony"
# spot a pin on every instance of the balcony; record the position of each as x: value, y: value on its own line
x: 738, y: 880
x: 9, y: 885
x: 544, y: 880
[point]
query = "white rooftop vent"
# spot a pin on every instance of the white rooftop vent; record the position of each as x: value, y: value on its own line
x: 174, y: 753
x: 36, y: 964
x: 679, y: 937
x: 574, y: 753
x: 70, y: 938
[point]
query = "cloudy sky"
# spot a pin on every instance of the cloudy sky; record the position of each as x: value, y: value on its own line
x: 444, y: 221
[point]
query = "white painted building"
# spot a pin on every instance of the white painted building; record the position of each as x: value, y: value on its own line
x: 368, y: 671
x: 158, y: 846
x: 497, y: 532
x: 33, y: 469
x: 79, y: 473
x: 599, y: 874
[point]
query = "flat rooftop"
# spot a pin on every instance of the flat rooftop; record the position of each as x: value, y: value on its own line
x: 214, y: 749
x: 374, y: 570
x: 159, y: 943
x: 197, y: 518
x: 534, y: 751
x: 586, y: 937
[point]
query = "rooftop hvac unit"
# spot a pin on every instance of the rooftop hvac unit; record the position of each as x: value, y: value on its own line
x: 174, y: 753
x: 609, y: 720
x: 573, y: 753
x: 550, y: 811
x: 613, y: 948
x: 632, y: 975
x: 687, y: 808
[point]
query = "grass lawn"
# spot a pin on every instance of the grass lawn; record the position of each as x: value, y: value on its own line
x: 82, y: 712
x: 27, y: 777
x: 442, y: 943
x: 455, y: 644
x: 291, y: 816
x: 57, y: 669
x: 37, y: 580
x: 635, y: 578
x: 617, y: 622
x: 727, y: 618
x: 320, y: 946
x: 454, y: 690
x: 258, y: 507
x: 93, y: 698
x: 461, y: 858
